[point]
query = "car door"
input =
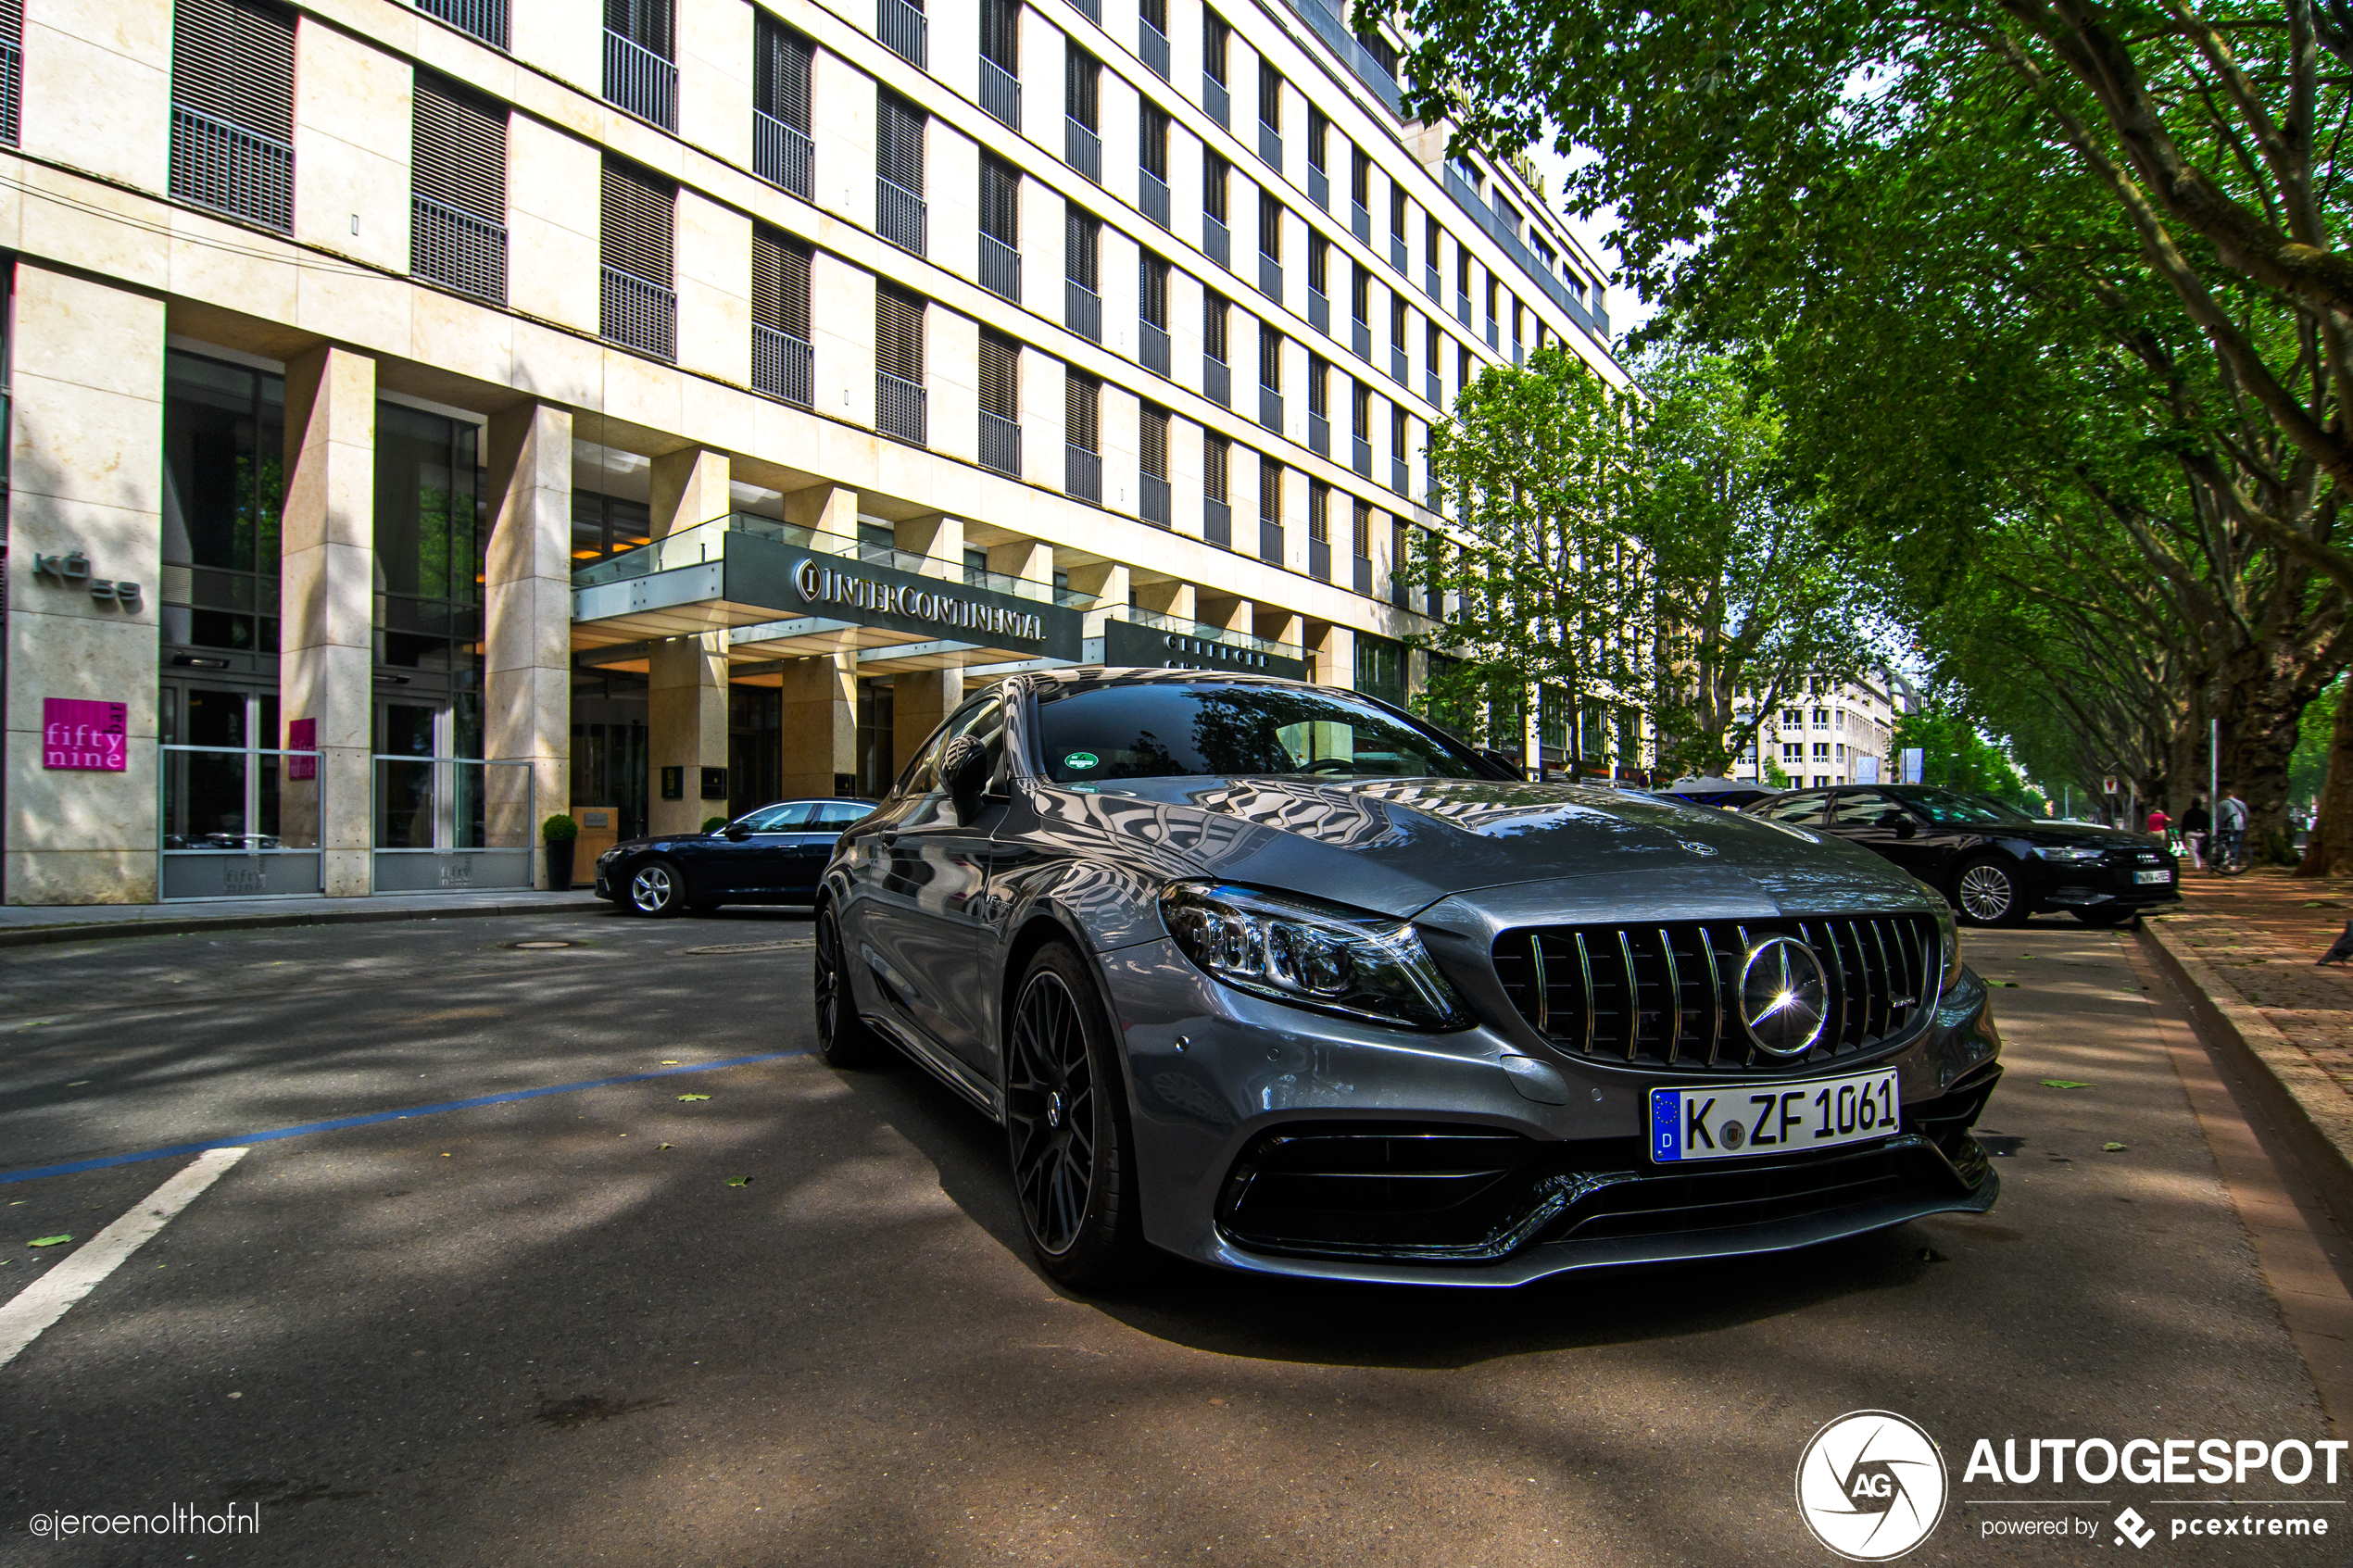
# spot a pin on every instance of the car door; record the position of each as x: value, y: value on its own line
x: 745, y: 858
x: 918, y: 926
x: 813, y: 846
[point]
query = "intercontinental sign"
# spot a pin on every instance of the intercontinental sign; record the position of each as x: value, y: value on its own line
x: 920, y: 600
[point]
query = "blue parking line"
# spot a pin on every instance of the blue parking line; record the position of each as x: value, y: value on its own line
x: 341, y: 1121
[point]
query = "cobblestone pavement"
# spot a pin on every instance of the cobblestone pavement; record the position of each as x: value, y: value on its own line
x: 2262, y: 933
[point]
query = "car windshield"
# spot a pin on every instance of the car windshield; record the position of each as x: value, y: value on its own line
x: 1160, y: 730
x: 1947, y: 810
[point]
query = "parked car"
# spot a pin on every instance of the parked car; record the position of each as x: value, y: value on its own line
x: 773, y: 856
x: 1280, y: 978
x: 1996, y: 864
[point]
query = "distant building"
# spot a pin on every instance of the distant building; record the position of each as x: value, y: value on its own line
x: 1831, y: 733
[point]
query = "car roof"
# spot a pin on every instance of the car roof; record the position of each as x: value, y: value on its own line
x: 1146, y: 674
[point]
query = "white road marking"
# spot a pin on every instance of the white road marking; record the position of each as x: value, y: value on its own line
x: 45, y: 1299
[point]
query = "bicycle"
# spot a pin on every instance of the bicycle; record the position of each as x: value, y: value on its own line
x: 2229, y: 855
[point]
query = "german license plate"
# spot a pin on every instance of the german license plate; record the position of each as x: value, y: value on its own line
x: 1736, y: 1121
x: 2153, y: 876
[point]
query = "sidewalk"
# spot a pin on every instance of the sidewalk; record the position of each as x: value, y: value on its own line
x: 27, y: 924
x: 2244, y: 949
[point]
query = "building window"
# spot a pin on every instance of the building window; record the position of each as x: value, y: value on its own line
x: 458, y: 220
x: 1217, y: 375
x: 1082, y: 273
x: 1153, y: 36
x: 1360, y: 427
x: 1320, y: 183
x: 1153, y: 154
x: 1380, y: 668
x: 1001, y: 60
x: 1399, y: 432
x: 429, y: 538
x: 899, y: 171
x: 1153, y: 459
x: 999, y: 228
x: 899, y: 364
x: 1270, y: 378
x: 904, y: 30
x: 1216, y: 39
x: 1270, y: 510
x: 1153, y: 306
x: 1082, y: 106
x: 232, y: 109
x: 999, y: 403
x: 783, y: 362
x: 224, y: 480
x: 641, y: 51
x: 1319, y: 530
x: 640, y: 299
x: 780, y: 150
x: 1082, y: 436
x: 1217, y: 512
x: 1215, y: 241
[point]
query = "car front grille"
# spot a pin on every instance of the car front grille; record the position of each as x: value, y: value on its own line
x: 1668, y: 995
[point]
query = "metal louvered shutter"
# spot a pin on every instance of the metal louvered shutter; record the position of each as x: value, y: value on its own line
x: 1082, y: 249
x: 1001, y: 202
x: 1212, y: 324
x: 999, y: 376
x: 1082, y: 402
x: 460, y: 157
x: 650, y: 24
x: 235, y: 60
x: 899, y: 143
x: 898, y: 334
x: 1216, y: 453
x: 1154, y: 460
x: 1270, y: 490
x: 780, y: 283
x: 1213, y: 173
x: 1001, y: 34
x: 1154, y: 288
x: 1082, y: 82
x: 637, y: 233
x: 781, y: 60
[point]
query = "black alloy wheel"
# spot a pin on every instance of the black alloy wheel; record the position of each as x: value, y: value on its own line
x: 1985, y: 890
x: 657, y: 888
x: 1066, y: 1126
x: 843, y: 1038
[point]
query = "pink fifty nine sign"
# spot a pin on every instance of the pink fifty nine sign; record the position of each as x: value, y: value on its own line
x: 83, y: 736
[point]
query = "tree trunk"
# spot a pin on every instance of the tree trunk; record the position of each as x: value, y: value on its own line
x: 2266, y: 701
x: 2329, y: 852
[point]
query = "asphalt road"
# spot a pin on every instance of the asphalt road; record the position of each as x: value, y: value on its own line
x: 554, y: 1329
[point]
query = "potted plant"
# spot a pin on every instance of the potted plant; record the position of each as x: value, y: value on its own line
x: 558, y: 833
x: 713, y: 825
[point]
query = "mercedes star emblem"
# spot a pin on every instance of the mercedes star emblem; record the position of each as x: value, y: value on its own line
x: 1785, y: 998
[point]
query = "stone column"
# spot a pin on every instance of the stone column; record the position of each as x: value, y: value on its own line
x: 527, y: 604
x: 686, y: 677
x: 326, y: 661
x: 919, y: 700
x: 85, y: 468
x: 1108, y: 581
x: 1178, y: 600
x: 820, y: 695
x: 1331, y: 653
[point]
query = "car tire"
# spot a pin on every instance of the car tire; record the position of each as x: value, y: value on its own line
x: 2106, y: 917
x: 1986, y: 891
x: 1068, y: 1139
x: 843, y: 1038
x: 657, y: 889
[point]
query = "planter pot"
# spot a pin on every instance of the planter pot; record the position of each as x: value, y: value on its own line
x: 560, y: 864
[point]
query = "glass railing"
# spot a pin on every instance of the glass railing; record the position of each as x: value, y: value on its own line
x: 707, y: 542
x: 1136, y: 615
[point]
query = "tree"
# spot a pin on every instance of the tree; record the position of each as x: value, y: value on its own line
x: 1642, y: 548
x: 1955, y: 755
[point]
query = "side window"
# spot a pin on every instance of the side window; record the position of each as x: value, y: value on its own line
x: 985, y: 723
x: 1859, y: 808
x: 1801, y: 809
x: 984, y: 719
x: 841, y: 814
x: 780, y: 819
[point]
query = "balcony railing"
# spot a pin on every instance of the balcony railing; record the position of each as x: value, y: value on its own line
x: 898, y: 214
x: 1000, y: 444
x: 1399, y: 261
x: 999, y: 93
x: 1152, y: 45
x: 1091, y: 9
x: 458, y: 250
x: 1217, y: 242
x: 1401, y: 591
x: 11, y: 93
x: 899, y: 409
x: 638, y: 314
x: 1270, y: 408
x: 229, y: 168
x: 1217, y: 523
x: 1082, y: 149
x: 1361, y: 576
x: 1360, y: 222
x: 1320, y: 187
x: 782, y: 154
x: 1434, y: 388
x: 1270, y: 277
x: 1155, y: 506
x: 1270, y: 542
x: 1155, y: 191
x: 1000, y: 267
x: 1319, y: 559
x: 1397, y: 480
x: 1319, y: 435
x: 1461, y: 309
x: 1360, y: 338
x: 1594, y: 319
x: 904, y: 30
x: 1327, y: 22
x: 1433, y: 285
x: 1214, y: 99
x: 1319, y: 313
x: 1270, y: 146
x: 1082, y: 310
x: 1492, y: 340
x: 1397, y: 368
x: 1156, y: 348
x: 1207, y: 632
x: 1083, y: 473
x: 1361, y: 456
x: 783, y: 365
x: 641, y: 81
x: 486, y: 19
x: 1216, y: 381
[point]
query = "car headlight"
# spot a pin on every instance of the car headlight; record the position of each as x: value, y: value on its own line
x: 2066, y: 852
x: 1948, y: 940
x: 1312, y: 954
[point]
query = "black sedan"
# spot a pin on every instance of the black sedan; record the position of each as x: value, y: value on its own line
x: 773, y: 856
x: 1995, y: 864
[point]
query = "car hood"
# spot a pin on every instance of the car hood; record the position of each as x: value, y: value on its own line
x: 655, y: 840
x: 1400, y: 845
x: 2058, y: 834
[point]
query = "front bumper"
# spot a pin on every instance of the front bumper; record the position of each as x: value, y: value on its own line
x: 1280, y: 1141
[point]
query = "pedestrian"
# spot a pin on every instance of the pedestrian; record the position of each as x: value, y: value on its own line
x: 2157, y: 824
x: 2195, y: 824
x: 2229, y: 826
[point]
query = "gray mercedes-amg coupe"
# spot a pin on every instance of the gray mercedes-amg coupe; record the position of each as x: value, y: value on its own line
x: 1280, y: 978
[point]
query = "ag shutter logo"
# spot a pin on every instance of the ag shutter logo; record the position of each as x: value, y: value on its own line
x: 1871, y: 1485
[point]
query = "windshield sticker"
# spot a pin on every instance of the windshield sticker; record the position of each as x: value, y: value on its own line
x: 1079, y: 762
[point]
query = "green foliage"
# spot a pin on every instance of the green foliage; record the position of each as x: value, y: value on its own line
x: 1775, y: 775
x: 713, y: 825
x: 2308, y: 768
x: 559, y: 828
x: 1955, y: 756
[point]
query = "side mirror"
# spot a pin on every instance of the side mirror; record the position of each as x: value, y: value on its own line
x: 1904, y: 825
x: 737, y: 831
x: 964, y: 767
x: 1502, y: 763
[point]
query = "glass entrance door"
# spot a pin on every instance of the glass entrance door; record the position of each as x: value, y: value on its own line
x: 229, y: 827
x: 443, y: 821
